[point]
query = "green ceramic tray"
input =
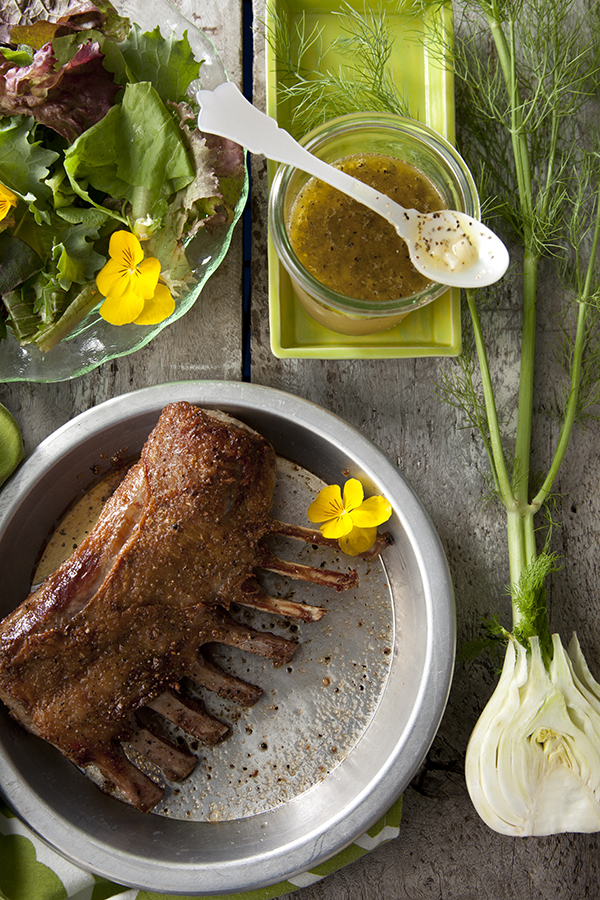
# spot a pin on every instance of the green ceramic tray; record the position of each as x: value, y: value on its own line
x: 428, y: 86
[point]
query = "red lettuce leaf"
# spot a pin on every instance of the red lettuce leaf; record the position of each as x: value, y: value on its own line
x: 70, y: 15
x: 69, y: 99
x: 38, y: 34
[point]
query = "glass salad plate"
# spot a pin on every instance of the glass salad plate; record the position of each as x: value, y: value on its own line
x: 94, y: 341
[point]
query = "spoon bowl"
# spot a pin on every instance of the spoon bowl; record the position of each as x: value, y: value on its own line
x: 446, y: 246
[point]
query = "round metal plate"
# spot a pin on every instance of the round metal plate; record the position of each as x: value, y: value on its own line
x: 334, y: 741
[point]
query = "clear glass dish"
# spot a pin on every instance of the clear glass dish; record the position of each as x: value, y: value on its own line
x: 94, y: 341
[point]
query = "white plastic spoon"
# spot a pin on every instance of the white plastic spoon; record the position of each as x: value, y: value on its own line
x: 446, y: 246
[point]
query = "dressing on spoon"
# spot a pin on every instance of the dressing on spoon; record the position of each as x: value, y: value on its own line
x: 448, y: 246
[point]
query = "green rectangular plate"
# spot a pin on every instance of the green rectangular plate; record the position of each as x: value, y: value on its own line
x: 428, y: 86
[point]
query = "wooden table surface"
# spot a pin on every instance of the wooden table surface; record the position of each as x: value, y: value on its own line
x: 444, y: 851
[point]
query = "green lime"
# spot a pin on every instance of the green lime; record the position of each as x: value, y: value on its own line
x: 11, y: 444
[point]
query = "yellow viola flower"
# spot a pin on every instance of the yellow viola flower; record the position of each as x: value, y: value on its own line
x: 349, y: 518
x: 122, y: 310
x: 129, y: 283
x: 7, y: 199
x: 158, y: 307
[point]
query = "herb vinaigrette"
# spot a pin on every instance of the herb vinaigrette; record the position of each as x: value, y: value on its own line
x: 348, y: 247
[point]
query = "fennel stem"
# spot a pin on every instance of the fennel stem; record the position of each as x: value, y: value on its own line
x: 507, y: 58
x: 525, y: 401
x: 571, y: 409
x: 514, y: 492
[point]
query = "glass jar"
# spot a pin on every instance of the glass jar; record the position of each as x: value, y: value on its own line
x: 379, y: 133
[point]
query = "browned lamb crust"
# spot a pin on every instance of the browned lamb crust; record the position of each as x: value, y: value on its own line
x: 105, y: 642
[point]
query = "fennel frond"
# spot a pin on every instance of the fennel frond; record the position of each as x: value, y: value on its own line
x: 526, y: 74
x: 359, y: 78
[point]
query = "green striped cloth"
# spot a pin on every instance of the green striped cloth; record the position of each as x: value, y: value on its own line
x: 30, y: 870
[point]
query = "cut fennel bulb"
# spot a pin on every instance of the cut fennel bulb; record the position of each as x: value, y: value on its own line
x: 533, y: 761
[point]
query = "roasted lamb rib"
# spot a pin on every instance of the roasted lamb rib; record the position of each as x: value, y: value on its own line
x: 103, y: 648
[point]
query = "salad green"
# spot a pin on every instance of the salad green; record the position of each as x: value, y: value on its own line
x: 98, y: 134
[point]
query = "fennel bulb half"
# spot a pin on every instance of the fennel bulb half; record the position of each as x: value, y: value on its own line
x: 533, y: 760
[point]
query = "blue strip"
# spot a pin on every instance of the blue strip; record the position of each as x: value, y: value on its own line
x: 247, y: 75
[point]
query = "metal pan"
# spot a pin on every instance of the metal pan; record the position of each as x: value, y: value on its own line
x: 337, y: 735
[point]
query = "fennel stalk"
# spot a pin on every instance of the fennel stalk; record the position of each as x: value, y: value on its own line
x: 560, y: 177
x: 524, y: 74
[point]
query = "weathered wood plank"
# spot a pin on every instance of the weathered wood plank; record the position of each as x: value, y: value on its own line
x: 444, y: 851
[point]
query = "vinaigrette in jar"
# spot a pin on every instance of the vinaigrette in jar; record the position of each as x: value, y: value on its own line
x: 348, y: 247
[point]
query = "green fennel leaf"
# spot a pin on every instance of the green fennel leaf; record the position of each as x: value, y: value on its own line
x: 527, y: 78
x: 364, y: 79
x: 529, y: 599
x: 533, y: 114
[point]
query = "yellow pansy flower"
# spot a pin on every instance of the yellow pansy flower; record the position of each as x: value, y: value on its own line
x: 349, y: 518
x: 7, y: 199
x: 158, y: 307
x: 129, y: 282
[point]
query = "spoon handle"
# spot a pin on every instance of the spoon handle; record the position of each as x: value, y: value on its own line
x: 226, y: 112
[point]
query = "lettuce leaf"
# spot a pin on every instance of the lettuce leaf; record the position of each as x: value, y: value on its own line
x: 22, y: 319
x: 24, y: 164
x: 68, y: 99
x: 22, y: 56
x: 210, y: 200
x: 80, y: 15
x: 17, y: 262
x: 136, y: 145
x: 36, y: 35
x: 167, y: 63
x: 135, y: 160
x: 75, y: 257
